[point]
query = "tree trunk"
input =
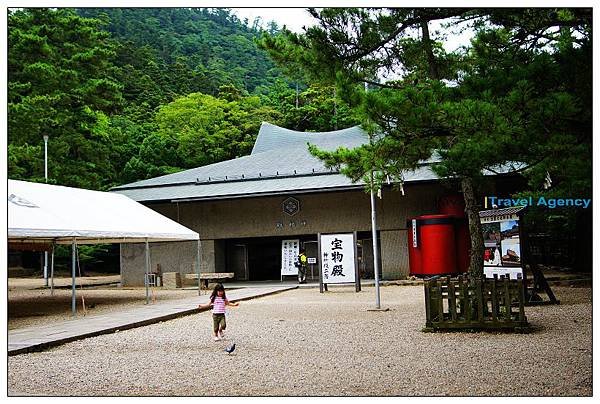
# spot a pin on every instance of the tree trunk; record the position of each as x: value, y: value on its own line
x: 432, y: 64
x: 472, y: 210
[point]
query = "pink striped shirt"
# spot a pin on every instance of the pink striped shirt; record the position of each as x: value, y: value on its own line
x: 218, y: 305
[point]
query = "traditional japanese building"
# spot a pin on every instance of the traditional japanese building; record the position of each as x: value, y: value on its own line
x: 244, y: 208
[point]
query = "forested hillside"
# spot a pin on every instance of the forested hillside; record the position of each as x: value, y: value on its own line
x: 129, y: 94
x: 184, y: 50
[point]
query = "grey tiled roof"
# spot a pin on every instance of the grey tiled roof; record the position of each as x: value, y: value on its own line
x: 279, y: 163
x: 271, y: 137
x: 277, y: 152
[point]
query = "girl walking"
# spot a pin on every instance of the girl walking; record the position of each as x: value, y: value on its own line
x: 218, y: 301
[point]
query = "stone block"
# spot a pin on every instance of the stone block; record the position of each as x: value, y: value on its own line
x: 171, y: 280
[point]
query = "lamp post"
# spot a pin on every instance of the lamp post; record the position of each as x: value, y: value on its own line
x: 374, y: 234
x: 374, y: 231
x: 375, y: 248
x: 46, y: 157
x: 46, y: 177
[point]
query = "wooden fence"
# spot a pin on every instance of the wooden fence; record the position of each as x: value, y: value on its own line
x: 455, y: 304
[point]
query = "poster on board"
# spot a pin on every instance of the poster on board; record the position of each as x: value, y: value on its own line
x: 338, y: 263
x: 289, y: 253
x: 502, y: 247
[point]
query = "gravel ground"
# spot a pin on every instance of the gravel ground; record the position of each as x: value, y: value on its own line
x: 302, y: 343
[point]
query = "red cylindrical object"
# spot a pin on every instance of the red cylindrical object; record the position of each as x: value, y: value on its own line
x: 455, y: 205
x: 438, y: 244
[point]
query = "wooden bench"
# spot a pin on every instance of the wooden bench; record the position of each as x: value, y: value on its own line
x: 210, y: 276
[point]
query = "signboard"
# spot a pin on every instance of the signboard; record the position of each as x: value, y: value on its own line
x: 414, y: 232
x: 289, y: 254
x: 312, y: 260
x: 502, y: 247
x: 338, y: 264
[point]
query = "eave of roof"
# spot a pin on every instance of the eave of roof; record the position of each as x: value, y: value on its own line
x: 501, y: 212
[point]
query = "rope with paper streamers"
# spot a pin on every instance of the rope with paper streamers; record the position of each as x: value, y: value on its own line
x: 81, y: 280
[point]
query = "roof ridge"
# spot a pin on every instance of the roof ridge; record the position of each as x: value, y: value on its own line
x: 273, y: 137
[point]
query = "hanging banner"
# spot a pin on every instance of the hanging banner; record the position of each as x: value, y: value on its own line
x: 289, y: 254
x: 338, y: 264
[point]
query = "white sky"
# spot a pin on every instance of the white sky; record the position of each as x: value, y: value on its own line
x: 293, y: 18
x: 297, y: 18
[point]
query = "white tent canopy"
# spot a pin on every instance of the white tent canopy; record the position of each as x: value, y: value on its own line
x: 51, y: 213
x: 41, y: 213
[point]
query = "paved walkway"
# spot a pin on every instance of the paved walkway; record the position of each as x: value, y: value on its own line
x: 42, y: 337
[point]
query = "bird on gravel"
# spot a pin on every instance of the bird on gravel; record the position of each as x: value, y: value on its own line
x: 230, y: 348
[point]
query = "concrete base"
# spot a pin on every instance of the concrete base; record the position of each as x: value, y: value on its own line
x: 171, y: 280
x: 382, y: 309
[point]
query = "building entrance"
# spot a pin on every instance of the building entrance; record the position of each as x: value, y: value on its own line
x: 259, y: 259
x: 254, y: 259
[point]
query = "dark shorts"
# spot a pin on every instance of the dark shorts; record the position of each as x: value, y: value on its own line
x: 219, y: 320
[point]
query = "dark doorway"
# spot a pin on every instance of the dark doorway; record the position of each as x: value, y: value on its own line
x: 264, y: 259
x: 238, y: 261
x: 259, y: 259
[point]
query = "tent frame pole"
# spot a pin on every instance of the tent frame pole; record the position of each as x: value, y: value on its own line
x: 198, y: 268
x: 73, y: 290
x: 52, y: 270
x: 147, y: 265
x: 46, y: 268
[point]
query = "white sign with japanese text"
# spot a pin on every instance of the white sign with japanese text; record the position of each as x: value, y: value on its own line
x: 337, y: 258
x: 289, y: 254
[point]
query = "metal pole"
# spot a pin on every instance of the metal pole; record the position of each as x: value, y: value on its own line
x: 73, y: 304
x: 147, y: 265
x: 46, y: 157
x: 46, y: 177
x: 356, y: 269
x: 320, y: 263
x: 198, y: 266
x: 46, y: 268
x: 52, y: 272
x: 374, y: 230
x: 375, y: 252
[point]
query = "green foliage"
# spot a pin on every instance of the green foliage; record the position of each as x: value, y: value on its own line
x: 95, y: 82
x: 318, y: 108
x: 200, y: 129
x: 187, y: 50
x: 26, y: 162
x: 90, y: 257
x: 517, y: 92
x: 542, y: 104
x: 60, y: 84
x: 520, y: 92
